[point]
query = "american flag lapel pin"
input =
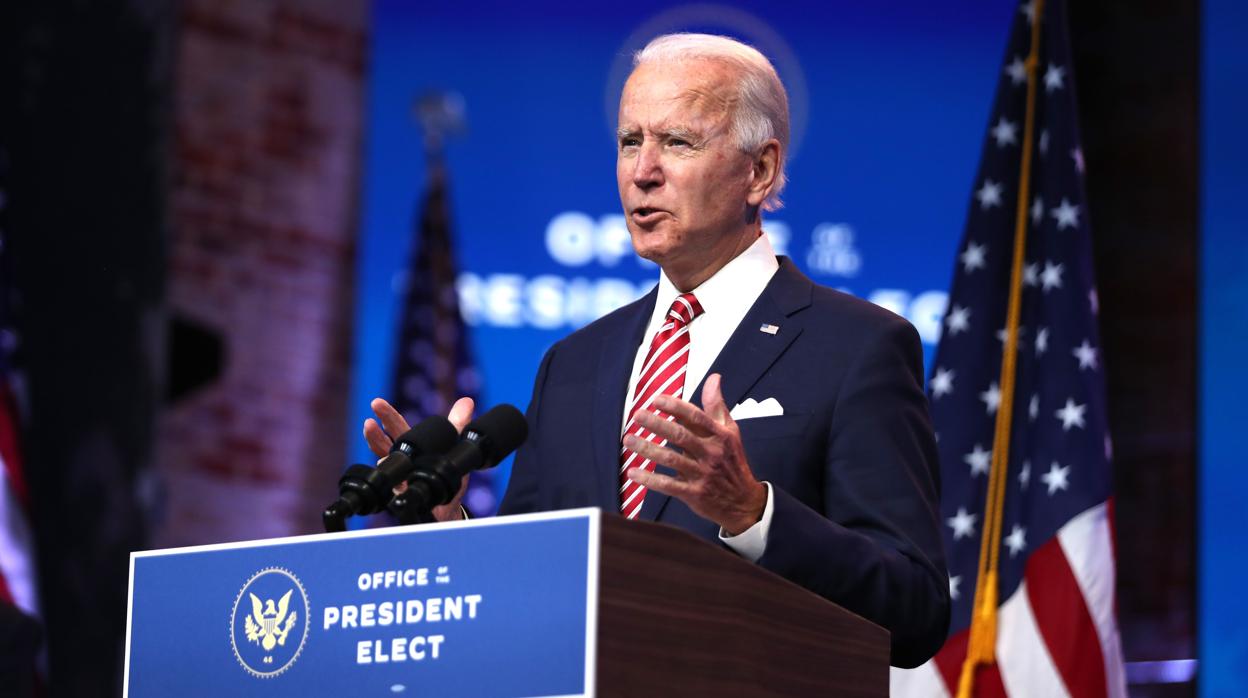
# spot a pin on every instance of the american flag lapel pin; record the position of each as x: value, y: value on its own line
x: 769, y: 328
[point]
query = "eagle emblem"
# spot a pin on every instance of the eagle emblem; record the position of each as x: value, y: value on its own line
x: 269, y: 623
x: 267, y: 628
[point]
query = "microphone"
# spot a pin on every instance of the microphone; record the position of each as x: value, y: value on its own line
x: 436, y: 478
x: 366, y: 490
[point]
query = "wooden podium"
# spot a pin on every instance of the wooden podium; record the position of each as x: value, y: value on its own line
x: 571, y: 603
x: 679, y: 617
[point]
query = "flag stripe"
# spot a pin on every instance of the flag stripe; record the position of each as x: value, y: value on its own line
x: 9, y: 453
x: 1087, y: 543
x: 1027, y: 668
x: 1069, y: 634
x: 950, y: 658
x: 988, y: 683
x: 924, y: 680
x: 17, y: 574
x: 946, y: 667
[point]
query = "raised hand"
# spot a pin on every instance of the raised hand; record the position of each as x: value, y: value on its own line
x: 712, y: 474
x: 377, y: 432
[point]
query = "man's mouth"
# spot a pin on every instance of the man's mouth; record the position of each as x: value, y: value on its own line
x: 645, y: 214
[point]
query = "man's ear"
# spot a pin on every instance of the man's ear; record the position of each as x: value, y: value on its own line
x: 766, y: 172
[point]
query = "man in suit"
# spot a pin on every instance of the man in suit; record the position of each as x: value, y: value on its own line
x: 738, y: 400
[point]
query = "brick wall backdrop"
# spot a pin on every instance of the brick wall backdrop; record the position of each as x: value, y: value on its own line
x: 268, y: 109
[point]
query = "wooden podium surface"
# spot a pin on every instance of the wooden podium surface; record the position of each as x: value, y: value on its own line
x: 679, y: 617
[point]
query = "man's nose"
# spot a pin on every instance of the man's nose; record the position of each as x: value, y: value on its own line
x: 647, y: 168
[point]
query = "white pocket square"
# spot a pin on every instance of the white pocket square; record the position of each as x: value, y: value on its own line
x: 751, y: 408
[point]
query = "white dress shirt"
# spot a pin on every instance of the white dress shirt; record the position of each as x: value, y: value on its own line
x: 725, y: 298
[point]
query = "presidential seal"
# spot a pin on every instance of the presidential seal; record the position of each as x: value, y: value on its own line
x: 269, y: 624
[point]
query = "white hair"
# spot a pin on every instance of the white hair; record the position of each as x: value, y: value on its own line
x: 762, y: 109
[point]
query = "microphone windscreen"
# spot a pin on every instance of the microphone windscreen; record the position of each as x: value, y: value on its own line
x: 504, y: 428
x: 435, y: 435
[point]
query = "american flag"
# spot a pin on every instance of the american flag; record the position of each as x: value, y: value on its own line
x: 18, y: 587
x: 434, y: 364
x: 1056, y: 631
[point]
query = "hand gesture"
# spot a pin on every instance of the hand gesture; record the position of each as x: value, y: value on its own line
x: 391, y: 422
x: 712, y: 475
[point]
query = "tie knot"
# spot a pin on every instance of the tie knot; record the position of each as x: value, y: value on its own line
x: 685, y: 308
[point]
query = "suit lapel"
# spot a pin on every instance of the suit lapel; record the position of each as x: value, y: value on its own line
x: 750, y: 351
x: 615, y: 367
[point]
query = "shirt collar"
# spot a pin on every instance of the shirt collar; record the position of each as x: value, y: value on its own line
x: 739, y: 282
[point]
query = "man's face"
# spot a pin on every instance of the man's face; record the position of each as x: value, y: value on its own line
x: 683, y: 181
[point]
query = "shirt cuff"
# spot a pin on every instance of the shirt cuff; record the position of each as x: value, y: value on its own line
x: 752, y: 542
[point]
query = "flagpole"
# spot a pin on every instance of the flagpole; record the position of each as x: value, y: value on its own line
x: 983, y: 633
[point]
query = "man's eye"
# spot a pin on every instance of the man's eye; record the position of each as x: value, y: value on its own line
x: 628, y: 142
x: 679, y: 142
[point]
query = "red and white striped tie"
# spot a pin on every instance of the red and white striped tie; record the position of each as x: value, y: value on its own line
x: 662, y: 373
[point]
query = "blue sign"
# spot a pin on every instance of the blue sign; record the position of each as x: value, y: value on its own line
x: 401, y: 611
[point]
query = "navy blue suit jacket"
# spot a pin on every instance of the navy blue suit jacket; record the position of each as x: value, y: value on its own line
x: 852, y: 460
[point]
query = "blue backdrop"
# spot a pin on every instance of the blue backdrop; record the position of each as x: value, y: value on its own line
x: 889, y: 102
x: 1223, y: 620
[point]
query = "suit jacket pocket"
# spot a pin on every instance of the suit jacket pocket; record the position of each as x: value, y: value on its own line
x: 779, y: 426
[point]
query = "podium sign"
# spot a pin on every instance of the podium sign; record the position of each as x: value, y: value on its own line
x: 500, y: 607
